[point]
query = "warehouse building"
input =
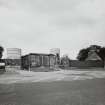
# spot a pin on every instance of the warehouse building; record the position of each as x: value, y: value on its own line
x: 34, y: 60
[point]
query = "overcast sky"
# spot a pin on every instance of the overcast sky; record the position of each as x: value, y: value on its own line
x: 39, y: 25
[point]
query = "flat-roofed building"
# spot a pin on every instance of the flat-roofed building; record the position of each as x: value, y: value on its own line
x: 34, y: 60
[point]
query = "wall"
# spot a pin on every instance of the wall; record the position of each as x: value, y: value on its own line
x: 13, y: 63
x: 86, y: 64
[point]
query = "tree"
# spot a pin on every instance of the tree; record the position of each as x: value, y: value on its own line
x: 101, y: 53
x: 96, y: 48
x: 83, y: 53
x: 1, y: 51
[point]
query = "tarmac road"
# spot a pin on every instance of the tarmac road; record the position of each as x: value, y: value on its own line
x: 57, y: 92
x: 79, y: 92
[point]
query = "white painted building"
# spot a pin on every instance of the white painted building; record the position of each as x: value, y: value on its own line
x: 13, y: 53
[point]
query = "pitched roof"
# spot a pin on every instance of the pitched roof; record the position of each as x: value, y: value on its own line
x: 93, y: 56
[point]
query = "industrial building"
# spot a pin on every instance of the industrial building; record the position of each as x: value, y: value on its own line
x: 34, y: 60
x: 30, y: 61
x: 13, y: 59
x: 14, y: 53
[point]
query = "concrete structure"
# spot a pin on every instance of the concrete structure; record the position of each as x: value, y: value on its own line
x: 13, y: 53
x: 34, y: 60
x: 13, y: 58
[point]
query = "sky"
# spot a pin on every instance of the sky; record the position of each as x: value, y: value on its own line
x: 36, y: 26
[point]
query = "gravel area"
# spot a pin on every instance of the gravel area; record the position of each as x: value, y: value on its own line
x: 20, y: 76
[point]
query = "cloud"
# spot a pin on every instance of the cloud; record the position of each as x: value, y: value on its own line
x: 37, y: 25
x: 87, y: 14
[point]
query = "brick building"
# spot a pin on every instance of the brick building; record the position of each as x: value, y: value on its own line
x: 34, y: 60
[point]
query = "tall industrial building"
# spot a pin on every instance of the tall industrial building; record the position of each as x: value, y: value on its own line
x: 13, y: 53
x: 13, y: 58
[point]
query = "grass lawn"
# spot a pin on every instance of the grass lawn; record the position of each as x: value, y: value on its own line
x: 79, y: 92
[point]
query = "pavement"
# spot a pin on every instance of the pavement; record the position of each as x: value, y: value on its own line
x: 21, y: 76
